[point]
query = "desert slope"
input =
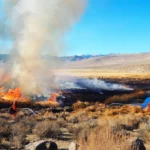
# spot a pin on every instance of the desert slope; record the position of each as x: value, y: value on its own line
x: 112, y: 65
x: 130, y: 62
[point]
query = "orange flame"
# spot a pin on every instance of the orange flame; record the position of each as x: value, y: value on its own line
x: 52, y: 100
x: 16, y: 95
x: 53, y: 97
x: 13, y: 94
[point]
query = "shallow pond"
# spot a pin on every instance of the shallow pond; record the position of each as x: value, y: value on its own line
x: 145, y: 103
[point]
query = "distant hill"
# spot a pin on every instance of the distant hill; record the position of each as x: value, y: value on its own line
x: 5, y: 57
x: 78, y: 57
x: 115, y: 62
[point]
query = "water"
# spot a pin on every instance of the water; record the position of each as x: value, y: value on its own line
x: 145, y: 103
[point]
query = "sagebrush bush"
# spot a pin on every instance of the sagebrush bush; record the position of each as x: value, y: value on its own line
x: 78, y: 105
x: 144, y: 130
x: 82, y: 128
x: 102, y: 138
x: 47, y: 129
x: 18, y: 134
x: 5, y: 130
x: 61, y: 122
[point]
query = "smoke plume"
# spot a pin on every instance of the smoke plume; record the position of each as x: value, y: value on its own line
x: 37, y: 25
x: 90, y: 84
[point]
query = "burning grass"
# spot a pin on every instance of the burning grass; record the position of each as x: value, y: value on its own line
x: 8, y: 97
x: 28, y: 103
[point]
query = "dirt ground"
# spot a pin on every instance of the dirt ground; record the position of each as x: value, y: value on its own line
x: 96, y: 73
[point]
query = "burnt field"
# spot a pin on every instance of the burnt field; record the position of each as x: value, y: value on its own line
x: 136, y: 83
x: 68, y: 97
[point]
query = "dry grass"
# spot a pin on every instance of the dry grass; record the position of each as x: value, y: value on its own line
x: 15, y: 133
x: 79, y: 116
x: 5, y: 116
x: 61, y: 122
x: 125, y: 98
x: 78, y: 105
x: 114, y: 133
x: 47, y: 129
x: 99, y: 73
x: 94, y: 126
x: 46, y: 104
x: 144, y: 130
x: 82, y: 128
x: 103, y: 138
x: 19, y: 132
x: 5, y: 130
x: 126, y: 109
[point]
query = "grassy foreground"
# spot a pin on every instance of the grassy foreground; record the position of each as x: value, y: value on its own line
x: 92, y: 126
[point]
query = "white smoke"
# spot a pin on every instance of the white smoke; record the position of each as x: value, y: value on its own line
x: 90, y: 84
x: 38, y: 25
x: 100, y: 84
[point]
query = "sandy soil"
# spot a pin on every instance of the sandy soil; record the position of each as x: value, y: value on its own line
x: 111, y: 66
x: 102, y: 74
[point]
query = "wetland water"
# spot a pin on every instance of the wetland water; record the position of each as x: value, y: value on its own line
x: 145, y: 103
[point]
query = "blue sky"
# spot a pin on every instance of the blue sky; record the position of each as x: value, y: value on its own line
x: 109, y: 26
x: 112, y: 26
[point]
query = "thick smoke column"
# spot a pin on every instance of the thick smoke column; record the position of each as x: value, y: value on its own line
x: 36, y: 25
